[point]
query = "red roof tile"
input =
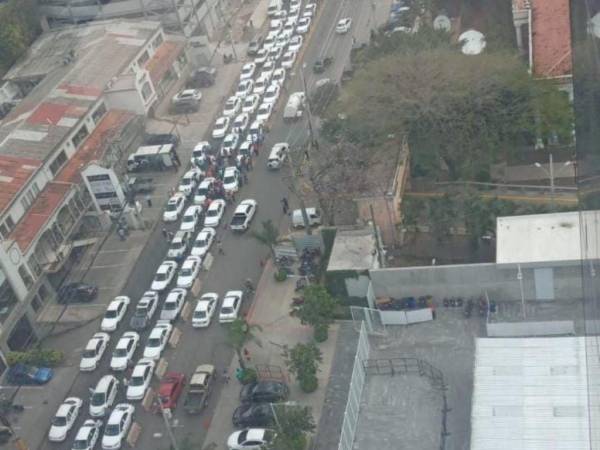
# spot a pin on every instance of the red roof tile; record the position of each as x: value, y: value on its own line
x: 551, y: 38
x: 14, y: 174
x: 162, y: 60
x: 86, y: 91
x: 95, y: 145
x: 48, y: 114
x: 40, y: 212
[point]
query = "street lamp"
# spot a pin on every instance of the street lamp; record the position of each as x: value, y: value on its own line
x: 551, y: 174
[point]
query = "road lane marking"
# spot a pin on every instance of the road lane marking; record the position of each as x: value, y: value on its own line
x: 107, y: 266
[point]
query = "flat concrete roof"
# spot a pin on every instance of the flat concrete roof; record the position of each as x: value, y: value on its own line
x: 532, y: 394
x: 353, y: 250
x: 548, y: 237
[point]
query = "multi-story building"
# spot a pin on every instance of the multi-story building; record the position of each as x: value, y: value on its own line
x: 81, y: 88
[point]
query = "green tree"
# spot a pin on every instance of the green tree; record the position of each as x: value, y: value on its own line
x: 317, y: 310
x: 303, y: 362
x: 18, y: 28
x: 441, y: 216
x: 268, y: 235
x: 292, y: 424
x: 239, y: 333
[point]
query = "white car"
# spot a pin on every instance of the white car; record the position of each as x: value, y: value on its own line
x: 232, y: 106
x: 284, y: 39
x: 278, y: 76
x: 221, y: 126
x: 189, y: 181
x: 203, y: 242
x: 272, y: 94
x: 303, y: 25
x: 140, y: 379
x: 230, y: 144
x: 275, y: 25
x: 267, y: 70
x: 251, y: 102
x: 164, y: 276
x: 205, y: 309
x: 289, y: 58
x: 296, y: 42
x: 88, y: 435
x: 201, y: 149
x: 243, y: 215
x: 343, y: 26
x: 241, y: 123
x: 117, y: 426
x: 157, y: 341
x: 275, y: 53
x: 248, y: 70
x: 63, y: 420
x: 144, y: 310
x: 269, y: 41
x: 310, y: 8
x: 214, y: 213
x: 259, y: 87
x: 179, y: 245
x: 93, y: 352
x: 122, y: 355
x: 264, y: 112
x: 244, y: 88
x: 191, y: 218
x: 187, y: 95
x: 173, y: 304
x: 174, y: 207
x: 231, y: 179
x: 278, y: 155
x: 189, y: 272
x: 230, y: 307
x: 203, y: 190
x: 261, y: 56
x: 114, y: 313
x: 250, y: 439
x: 294, y: 12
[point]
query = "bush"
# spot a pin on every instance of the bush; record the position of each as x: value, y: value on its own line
x: 248, y: 376
x: 309, y: 384
x: 36, y: 357
x: 280, y: 276
x: 321, y: 332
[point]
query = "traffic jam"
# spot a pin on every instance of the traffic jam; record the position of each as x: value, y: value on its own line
x: 218, y: 170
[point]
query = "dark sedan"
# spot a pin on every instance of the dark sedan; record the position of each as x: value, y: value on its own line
x: 264, y: 391
x: 77, y: 293
x: 253, y: 415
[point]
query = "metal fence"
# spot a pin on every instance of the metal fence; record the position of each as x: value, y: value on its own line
x: 368, y: 318
x: 357, y: 382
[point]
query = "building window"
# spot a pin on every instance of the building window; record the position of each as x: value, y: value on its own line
x: 34, y: 266
x: 80, y: 136
x: 36, y: 303
x: 142, y: 59
x: 58, y: 162
x: 43, y: 293
x: 157, y: 41
x: 35, y: 188
x: 99, y: 113
x: 146, y: 91
x: 25, y: 276
x: 4, y: 231
x: 26, y: 203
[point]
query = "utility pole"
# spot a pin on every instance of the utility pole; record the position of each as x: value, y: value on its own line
x: 296, y: 190
x: 163, y: 413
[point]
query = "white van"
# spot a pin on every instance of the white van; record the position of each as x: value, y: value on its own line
x: 103, y: 396
x: 314, y: 217
x: 278, y: 155
x: 274, y: 7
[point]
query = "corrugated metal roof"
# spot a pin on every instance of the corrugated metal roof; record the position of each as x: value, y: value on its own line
x: 14, y: 174
x: 530, y: 394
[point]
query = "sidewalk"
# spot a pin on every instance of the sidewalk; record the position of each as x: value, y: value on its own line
x: 271, y: 312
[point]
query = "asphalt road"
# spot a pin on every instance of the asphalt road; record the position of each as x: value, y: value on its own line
x: 242, y: 253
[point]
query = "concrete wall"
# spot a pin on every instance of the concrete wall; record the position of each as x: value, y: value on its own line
x: 500, y: 281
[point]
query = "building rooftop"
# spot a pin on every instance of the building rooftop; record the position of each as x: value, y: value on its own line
x: 546, y: 237
x: 74, y: 65
x: 52, y: 196
x: 353, y: 250
x: 532, y: 393
x: 551, y: 38
x: 163, y: 59
x: 14, y: 175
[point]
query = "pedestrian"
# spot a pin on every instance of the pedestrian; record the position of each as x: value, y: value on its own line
x: 225, y: 376
x: 220, y: 247
x: 285, y: 205
x: 165, y: 233
x: 176, y: 158
x: 170, y: 235
x: 233, y: 195
x: 125, y: 382
x: 122, y: 234
x: 247, y: 354
x: 149, y: 200
x: 245, y: 177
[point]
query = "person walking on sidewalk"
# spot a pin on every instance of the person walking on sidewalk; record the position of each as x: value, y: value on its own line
x: 220, y: 247
x: 149, y: 200
x: 165, y: 233
x: 285, y: 205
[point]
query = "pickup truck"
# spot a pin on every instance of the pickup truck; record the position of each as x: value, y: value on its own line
x: 243, y: 215
x: 199, y: 389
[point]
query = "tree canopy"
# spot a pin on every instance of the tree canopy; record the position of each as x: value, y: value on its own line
x: 18, y: 28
